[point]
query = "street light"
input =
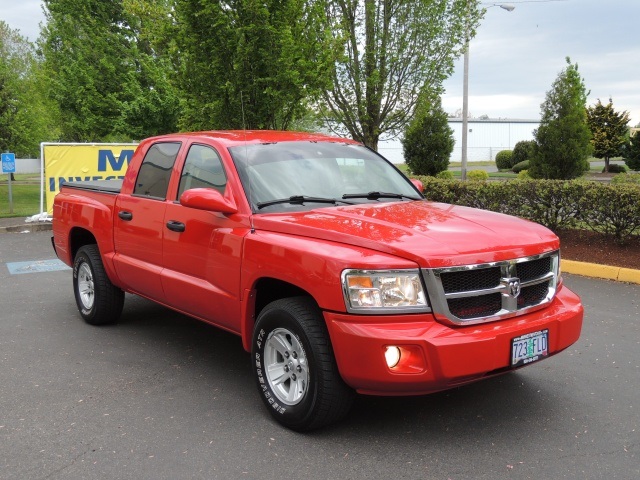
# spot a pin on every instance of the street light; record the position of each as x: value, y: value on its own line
x: 465, y: 96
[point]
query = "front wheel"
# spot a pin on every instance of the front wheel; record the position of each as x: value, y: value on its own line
x: 295, y: 369
x: 99, y: 301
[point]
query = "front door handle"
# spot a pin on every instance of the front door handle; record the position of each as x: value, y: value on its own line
x: 175, y: 226
x: 126, y: 216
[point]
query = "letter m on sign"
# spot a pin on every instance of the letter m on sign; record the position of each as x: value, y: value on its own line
x: 107, y: 156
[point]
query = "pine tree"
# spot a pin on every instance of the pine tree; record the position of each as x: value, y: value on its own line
x: 608, y: 129
x: 563, y: 138
x: 631, y: 152
x: 428, y: 141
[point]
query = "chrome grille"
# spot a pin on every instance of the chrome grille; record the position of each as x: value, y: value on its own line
x: 473, y: 294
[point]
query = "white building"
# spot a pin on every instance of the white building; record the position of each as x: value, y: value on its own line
x: 485, y: 139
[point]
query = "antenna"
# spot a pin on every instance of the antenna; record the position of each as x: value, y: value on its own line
x: 244, y: 125
x: 246, y: 154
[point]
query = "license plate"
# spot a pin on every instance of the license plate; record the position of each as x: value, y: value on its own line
x: 529, y: 348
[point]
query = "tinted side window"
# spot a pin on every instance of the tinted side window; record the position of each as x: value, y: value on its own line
x: 155, y: 171
x: 202, y: 169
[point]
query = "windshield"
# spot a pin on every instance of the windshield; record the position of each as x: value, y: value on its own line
x: 291, y: 176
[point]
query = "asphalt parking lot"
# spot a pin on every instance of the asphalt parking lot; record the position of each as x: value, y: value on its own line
x: 161, y: 396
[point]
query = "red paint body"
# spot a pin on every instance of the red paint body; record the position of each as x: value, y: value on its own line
x: 215, y: 268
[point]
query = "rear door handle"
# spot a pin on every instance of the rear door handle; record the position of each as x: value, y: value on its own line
x: 175, y: 226
x: 126, y: 216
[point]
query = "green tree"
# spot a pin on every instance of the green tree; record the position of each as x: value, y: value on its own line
x: 428, y: 141
x: 108, y: 85
x: 390, y: 54
x: 249, y: 63
x: 86, y: 46
x: 151, y: 103
x: 26, y: 118
x: 631, y: 152
x: 563, y: 138
x: 609, y: 131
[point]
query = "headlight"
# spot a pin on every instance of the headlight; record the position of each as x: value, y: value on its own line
x: 384, y: 291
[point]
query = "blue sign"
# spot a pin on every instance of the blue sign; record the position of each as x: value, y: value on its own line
x: 8, y: 163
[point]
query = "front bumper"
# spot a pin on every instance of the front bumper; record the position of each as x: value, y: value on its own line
x: 441, y: 356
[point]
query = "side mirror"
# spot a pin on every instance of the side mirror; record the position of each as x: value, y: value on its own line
x: 418, y: 184
x: 207, y: 199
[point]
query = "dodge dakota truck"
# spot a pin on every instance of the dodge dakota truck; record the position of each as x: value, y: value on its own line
x: 325, y: 259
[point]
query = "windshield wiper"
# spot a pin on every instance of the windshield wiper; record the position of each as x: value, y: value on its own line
x: 377, y: 195
x: 301, y: 199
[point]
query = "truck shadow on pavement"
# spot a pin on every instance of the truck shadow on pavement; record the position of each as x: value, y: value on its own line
x: 205, y: 359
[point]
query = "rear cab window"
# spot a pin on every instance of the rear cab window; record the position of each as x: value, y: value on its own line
x: 155, y: 170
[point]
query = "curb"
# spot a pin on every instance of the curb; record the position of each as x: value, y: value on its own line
x: 594, y: 270
x: 27, y: 228
x: 584, y: 269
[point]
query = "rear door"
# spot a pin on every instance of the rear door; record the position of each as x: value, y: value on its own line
x: 139, y: 223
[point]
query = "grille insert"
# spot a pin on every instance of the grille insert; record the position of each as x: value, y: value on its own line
x: 466, y: 280
x: 473, y: 307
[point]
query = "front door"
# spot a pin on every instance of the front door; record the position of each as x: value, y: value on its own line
x: 202, y: 250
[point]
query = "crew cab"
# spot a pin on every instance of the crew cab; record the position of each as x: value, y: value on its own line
x: 325, y: 259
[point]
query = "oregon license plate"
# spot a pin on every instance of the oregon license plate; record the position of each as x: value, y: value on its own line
x: 529, y: 348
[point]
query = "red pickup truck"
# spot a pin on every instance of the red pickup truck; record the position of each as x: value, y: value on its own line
x: 328, y: 262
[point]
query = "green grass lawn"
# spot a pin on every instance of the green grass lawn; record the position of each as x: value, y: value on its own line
x: 25, y: 192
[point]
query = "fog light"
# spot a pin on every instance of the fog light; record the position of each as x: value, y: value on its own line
x: 392, y: 356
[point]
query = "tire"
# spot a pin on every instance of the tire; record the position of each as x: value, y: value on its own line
x: 294, y: 366
x: 99, y: 301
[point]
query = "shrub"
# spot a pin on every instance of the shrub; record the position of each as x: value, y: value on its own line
x: 477, y: 176
x: 615, y: 168
x: 523, y: 151
x: 445, y: 175
x: 625, y: 178
x: 611, y: 209
x: 503, y: 159
x: 518, y: 167
x: 524, y: 175
x: 554, y: 203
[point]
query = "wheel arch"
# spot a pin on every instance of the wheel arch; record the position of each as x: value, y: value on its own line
x: 266, y: 290
x: 78, y: 238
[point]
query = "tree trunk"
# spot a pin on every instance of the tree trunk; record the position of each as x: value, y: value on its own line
x: 370, y: 139
x: 606, y: 164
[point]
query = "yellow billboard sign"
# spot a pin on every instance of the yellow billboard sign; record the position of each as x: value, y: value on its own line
x: 73, y: 162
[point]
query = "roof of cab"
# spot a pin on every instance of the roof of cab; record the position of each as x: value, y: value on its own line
x: 232, y: 138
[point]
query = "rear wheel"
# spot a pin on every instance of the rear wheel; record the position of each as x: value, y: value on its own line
x: 295, y: 369
x: 99, y: 301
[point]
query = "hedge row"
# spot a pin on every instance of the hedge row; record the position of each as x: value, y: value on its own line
x: 557, y: 204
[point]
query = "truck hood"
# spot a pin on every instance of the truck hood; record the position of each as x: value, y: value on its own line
x: 430, y: 234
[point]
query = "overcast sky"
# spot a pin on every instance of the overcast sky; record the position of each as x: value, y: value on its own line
x: 515, y: 56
